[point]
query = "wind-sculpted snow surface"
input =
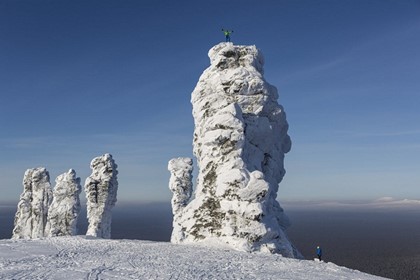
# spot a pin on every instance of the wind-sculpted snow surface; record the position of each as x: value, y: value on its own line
x: 181, y: 185
x: 65, y: 208
x: 101, y: 194
x: 32, y: 209
x: 80, y: 257
x: 240, y: 139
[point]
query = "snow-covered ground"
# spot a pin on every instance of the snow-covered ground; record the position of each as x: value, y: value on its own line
x: 83, y: 257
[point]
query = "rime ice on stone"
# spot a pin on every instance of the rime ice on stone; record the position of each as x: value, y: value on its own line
x: 180, y: 184
x: 240, y: 139
x: 101, y: 194
x: 65, y: 208
x: 32, y: 210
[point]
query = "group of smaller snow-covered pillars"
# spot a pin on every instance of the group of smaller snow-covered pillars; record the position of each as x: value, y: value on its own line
x: 44, y: 212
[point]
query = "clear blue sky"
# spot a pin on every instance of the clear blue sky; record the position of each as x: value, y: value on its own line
x: 82, y: 78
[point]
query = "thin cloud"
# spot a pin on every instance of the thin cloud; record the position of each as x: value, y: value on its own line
x: 399, y: 33
x: 315, y: 69
x: 389, y: 133
x: 380, y: 203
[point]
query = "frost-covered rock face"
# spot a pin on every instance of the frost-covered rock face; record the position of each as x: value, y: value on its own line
x: 32, y: 209
x: 65, y: 208
x: 101, y: 194
x: 181, y: 185
x: 240, y: 139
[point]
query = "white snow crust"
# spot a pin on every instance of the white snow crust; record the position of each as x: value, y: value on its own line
x: 240, y: 139
x: 79, y: 257
x: 32, y: 209
x: 101, y: 194
x: 65, y: 208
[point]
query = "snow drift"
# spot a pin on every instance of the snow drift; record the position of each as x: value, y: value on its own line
x: 240, y: 139
x: 79, y: 257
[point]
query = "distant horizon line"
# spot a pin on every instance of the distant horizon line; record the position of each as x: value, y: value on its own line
x: 378, y: 203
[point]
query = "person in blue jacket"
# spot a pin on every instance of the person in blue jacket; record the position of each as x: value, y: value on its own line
x: 319, y: 252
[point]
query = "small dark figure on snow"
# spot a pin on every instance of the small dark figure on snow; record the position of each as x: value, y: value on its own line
x: 227, y: 34
x: 319, y: 252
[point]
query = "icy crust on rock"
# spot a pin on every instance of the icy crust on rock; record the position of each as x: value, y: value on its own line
x: 32, y: 209
x: 180, y: 183
x: 240, y: 139
x: 65, y: 208
x: 101, y: 194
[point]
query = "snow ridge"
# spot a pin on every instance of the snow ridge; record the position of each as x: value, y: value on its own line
x: 240, y: 139
x: 32, y: 209
x: 65, y: 208
x: 101, y: 194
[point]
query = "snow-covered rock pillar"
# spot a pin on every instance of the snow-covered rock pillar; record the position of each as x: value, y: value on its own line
x: 65, y: 208
x: 240, y: 139
x: 181, y: 186
x: 32, y: 210
x: 101, y: 193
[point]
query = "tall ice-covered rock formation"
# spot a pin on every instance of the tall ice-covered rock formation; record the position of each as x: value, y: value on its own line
x: 240, y: 139
x: 101, y: 194
x: 65, y: 208
x: 32, y: 209
x: 181, y: 185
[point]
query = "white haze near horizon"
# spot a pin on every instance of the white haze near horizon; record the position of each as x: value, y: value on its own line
x: 380, y: 203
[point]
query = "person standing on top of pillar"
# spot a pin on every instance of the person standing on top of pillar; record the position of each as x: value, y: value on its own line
x: 227, y: 34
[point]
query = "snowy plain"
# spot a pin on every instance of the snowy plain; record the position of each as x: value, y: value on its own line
x: 82, y: 257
